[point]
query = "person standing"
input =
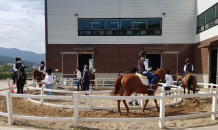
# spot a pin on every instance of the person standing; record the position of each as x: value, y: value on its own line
x: 48, y: 82
x: 144, y: 69
x: 86, y: 79
x: 79, y: 78
x: 133, y: 71
x: 16, y: 67
x: 169, y: 81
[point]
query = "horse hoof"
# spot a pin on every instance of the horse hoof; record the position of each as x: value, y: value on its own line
x: 120, y: 114
x: 127, y: 114
x: 143, y: 113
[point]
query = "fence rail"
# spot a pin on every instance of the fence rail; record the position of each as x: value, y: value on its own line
x: 76, y: 107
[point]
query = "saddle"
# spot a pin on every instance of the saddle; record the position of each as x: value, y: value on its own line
x: 144, y: 79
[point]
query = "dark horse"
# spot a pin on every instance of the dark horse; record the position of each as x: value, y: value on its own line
x: 125, y: 85
x: 38, y: 76
x: 20, y: 79
x: 188, y: 81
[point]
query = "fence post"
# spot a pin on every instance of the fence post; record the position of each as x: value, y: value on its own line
x: 162, y: 110
x: 214, y: 105
x: 90, y: 100
x: 103, y: 82
x: 180, y: 99
x: 95, y: 83
x: 76, y: 111
x: 9, y: 85
x: 62, y: 85
x: 211, y: 88
x: 42, y: 93
x: 28, y: 91
x: 9, y: 107
x: 34, y: 91
x: 175, y: 99
x: 142, y: 101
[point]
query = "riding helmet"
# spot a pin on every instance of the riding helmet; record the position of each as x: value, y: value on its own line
x: 42, y: 62
x: 133, y: 70
x: 187, y: 60
x: 142, y: 53
x: 18, y: 58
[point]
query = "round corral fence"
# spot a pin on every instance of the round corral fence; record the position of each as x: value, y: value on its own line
x: 76, y: 108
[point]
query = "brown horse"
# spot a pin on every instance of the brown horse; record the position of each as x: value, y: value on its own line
x: 189, y: 80
x: 125, y: 85
x: 91, y: 78
x: 38, y: 76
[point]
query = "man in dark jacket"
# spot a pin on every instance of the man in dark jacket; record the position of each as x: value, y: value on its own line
x: 86, y: 79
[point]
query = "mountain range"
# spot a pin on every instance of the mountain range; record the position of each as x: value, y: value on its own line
x: 5, y: 59
x: 26, y: 56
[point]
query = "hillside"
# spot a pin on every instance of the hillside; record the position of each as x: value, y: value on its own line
x: 24, y: 55
x: 5, y: 59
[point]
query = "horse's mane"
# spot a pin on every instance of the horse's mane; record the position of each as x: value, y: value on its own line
x: 21, y: 69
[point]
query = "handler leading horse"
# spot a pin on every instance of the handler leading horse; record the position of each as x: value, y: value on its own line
x: 125, y: 85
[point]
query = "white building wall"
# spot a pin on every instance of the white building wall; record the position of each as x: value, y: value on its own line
x: 178, y: 24
x: 203, y: 5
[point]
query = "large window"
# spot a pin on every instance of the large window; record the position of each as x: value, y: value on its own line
x: 207, y: 19
x: 119, y: 27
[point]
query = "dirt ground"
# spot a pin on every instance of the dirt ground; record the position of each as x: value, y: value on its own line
x: 22, y: 106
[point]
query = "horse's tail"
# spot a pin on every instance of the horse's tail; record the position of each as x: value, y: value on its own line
x: 190, y: 82
x: 117, y: 86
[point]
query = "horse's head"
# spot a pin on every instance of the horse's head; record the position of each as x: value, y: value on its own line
x: 178, y: 78
x: 160, y: 73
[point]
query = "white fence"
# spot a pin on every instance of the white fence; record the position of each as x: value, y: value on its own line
x: 90, y: 97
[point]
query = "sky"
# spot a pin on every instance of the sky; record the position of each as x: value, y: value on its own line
x: 22, y: 25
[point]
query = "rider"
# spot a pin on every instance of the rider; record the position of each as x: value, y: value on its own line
x: 188, y: 68
x: 16, y: 66
x: 42, y: 68
x: 144, y: 69
x: 133, y: 71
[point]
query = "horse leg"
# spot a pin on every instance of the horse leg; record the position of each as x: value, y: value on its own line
x: 188, y: 93
x: 143, y: 109
x: 184, y: 89
x: 118, y: 105
x: 155, y: 100
x: 126, y: 106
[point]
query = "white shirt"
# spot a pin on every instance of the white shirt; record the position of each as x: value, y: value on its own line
x: 146, y: 66
x: 169, y: 80
x: 14, y: 67
x: 79, y: 76
x: 48, y: 79
x: 43, y: 69
x: 185, y: 68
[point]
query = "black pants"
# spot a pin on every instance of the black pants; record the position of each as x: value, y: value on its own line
x: 85, y: 86
x: 79, y: 83
x: 166, y: 89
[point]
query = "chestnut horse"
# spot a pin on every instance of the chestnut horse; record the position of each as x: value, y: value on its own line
x: 188, y: 81
x: 37, y: 75
x: 91, y: 78
x: 125, y: 85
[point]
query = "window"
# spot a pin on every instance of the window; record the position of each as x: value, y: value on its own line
x: 153, y: 23
x: 85, y: 24
x: 140, y: 23
x: 201, y: 20
x: 207, y: 19
x: 126, y: 23
x: 119, y: 27
x: 112, y: 24
x: 98, y: 24
x: 210, y: 15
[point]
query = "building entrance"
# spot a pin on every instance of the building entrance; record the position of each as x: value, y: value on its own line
x: 83, y: 59
x: 154, y: 60
x: 213, y: 66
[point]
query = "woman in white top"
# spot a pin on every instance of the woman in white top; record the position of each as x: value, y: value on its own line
x: 169, y: 81
x: 48, y: 81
